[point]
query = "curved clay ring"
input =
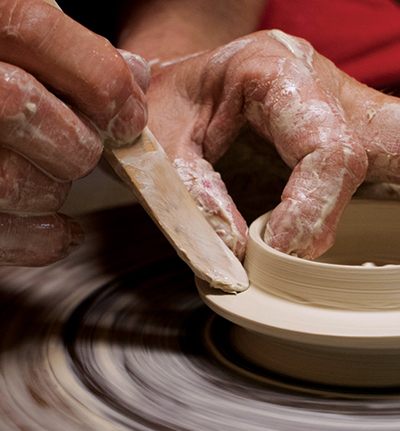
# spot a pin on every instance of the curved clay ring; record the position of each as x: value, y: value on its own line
x: 334, y: 321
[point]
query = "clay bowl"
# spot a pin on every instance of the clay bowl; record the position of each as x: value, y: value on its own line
x: 335, y: 321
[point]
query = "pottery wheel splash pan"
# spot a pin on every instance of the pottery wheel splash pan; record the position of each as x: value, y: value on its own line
x: 334, y: 321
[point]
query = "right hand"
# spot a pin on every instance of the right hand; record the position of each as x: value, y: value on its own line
x: 64, y: 93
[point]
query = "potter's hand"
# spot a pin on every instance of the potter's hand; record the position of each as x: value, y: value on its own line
x: 64, y: 93
x: 332, y: 131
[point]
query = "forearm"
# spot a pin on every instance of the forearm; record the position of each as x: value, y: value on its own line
x: 171, y: 29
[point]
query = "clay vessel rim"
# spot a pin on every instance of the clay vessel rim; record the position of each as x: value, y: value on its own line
x: 258, y: 310
x: 257, y: 229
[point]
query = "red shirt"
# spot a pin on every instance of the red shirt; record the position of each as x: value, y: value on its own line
x: 362, y: 37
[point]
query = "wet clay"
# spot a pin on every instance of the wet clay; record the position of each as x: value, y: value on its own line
x: 344, y: 309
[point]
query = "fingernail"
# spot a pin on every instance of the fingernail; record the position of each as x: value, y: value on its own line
x: 139, y: 68
x: 129, y: 122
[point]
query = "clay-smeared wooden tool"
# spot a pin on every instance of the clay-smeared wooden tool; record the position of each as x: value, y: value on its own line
x: 145, y: 167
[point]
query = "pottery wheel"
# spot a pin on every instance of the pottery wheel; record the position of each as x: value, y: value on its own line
x: 115, y: 337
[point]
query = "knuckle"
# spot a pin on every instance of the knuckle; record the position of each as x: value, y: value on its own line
x: 299, y: 48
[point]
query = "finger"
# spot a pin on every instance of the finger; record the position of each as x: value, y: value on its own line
x: 82, y: 67
x: 25, y: 189
x: 139, y: 69
x: 211, y: 196
x: 204, y: 184
x: 35, y: 123
x: 321, y: 185
x: 37, y: 240
x: 310, y: 132
x: 288, y: 104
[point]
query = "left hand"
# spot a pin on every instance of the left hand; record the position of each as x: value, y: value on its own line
x: 331, y: 130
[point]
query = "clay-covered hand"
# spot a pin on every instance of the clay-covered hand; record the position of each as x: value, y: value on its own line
x: 64, y: 92
x: 331, y: 130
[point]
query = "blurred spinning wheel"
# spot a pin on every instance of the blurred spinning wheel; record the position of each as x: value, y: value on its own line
x: 115, y: 337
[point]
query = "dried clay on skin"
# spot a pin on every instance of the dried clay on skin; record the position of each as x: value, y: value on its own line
x: 207, y: 189
x: 317, y: 182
